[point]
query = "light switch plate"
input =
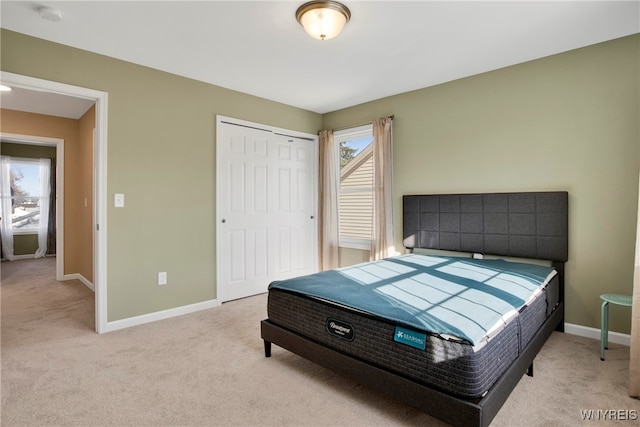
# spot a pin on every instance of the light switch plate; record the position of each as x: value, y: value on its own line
x: 118, y: 200
x: 162, y: 278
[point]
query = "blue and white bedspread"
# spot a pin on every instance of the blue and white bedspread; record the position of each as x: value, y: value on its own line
x: 457, y: 298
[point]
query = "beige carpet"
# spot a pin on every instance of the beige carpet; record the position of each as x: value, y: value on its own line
x: 209, y: 368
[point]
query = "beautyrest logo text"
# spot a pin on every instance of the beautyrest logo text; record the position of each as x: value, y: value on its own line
x: 339, y: 328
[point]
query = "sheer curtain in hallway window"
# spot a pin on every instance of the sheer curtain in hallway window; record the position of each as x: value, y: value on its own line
x: 6, y: 208
x: 43, y: 220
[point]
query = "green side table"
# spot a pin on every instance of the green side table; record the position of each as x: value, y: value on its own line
x: 604, y: 317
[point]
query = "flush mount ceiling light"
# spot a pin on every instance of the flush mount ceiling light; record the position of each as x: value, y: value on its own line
x: 323, y: 20
x: 4, y: 88
x: 50, y: 14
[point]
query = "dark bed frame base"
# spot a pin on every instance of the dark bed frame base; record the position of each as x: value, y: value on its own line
x: 448, y: 408
x: 526, y: 225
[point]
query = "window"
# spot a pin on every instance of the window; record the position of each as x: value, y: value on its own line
x: 355, y: 195
x: 26, y: 194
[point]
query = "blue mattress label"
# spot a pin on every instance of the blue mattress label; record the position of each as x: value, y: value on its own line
x: 340, y: 329
x: 411, y: 338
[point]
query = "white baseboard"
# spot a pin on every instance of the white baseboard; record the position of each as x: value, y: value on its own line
x: 160, y: 315
x: 19, y: 257
x: 584, y: 331
x: 80, y: 277
x: 26, y: 256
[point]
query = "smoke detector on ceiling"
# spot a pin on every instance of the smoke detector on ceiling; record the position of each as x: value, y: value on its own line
x: 50, y: 14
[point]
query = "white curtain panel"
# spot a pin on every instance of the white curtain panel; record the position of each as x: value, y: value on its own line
x: 6, y: 206
x: 382, y: 231
x: 329, y: 240
x: 45, y: 192
x: 6, y: 210
x: 634, y: 363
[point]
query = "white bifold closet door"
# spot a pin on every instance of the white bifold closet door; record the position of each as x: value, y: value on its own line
x: 267, y: 196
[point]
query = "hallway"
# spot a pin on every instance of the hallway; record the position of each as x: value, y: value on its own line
x: 36, y: 307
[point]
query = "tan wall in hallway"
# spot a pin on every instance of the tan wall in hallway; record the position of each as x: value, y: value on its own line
x: 77, y: 247
x: 82, y: 202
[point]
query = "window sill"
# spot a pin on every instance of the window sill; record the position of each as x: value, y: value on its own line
x: 24, y: 232
x: 355, y: 243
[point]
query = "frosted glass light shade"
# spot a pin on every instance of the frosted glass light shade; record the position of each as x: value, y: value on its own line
x: 323, y: 20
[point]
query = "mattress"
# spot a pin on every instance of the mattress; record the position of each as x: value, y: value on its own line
x: 458, y: 366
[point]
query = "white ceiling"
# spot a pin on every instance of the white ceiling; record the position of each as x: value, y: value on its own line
x: 389, y: 47
x: 51, y: 104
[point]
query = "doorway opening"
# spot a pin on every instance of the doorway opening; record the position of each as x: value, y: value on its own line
x: 99, y: 178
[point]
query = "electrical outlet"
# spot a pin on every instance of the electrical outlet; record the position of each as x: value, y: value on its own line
x: 162, y: 278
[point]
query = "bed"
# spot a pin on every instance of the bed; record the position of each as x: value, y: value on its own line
x: 403, y: 325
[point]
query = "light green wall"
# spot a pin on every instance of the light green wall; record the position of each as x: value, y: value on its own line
x: 27, y: 150
x: 348, y: 256
x: 161, y: 153
x: 25, y: 244
x: 566, y: 122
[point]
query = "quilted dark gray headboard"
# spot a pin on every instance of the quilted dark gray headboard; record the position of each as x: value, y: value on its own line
x: 524, y: 225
